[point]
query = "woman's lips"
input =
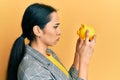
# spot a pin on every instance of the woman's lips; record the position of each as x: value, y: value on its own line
x: 58, y: 39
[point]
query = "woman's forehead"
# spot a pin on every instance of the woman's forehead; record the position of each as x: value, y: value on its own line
x: 54, y: 17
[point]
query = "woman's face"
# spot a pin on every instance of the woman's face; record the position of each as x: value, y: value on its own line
x: 51, y: 32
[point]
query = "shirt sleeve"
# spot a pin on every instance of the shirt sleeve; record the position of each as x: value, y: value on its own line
x: 74, y: 73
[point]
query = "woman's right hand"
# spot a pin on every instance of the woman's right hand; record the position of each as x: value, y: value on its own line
x: 85, y: 48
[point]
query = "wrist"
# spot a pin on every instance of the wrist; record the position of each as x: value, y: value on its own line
x: 84, y: 62
x: 76, y: 61
x: 83, y: 71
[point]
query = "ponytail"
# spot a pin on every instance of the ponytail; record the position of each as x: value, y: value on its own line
x: 17, y: 53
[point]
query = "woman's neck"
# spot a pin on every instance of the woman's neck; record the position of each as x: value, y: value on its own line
x: 40, y: 47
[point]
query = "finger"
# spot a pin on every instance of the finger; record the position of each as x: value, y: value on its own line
x: 87, y: 36
x: 78, y: 41
x: 81, y: 43
x: 94, y: 40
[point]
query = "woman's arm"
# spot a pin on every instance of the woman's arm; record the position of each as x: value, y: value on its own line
x: 84, y: 50
x: 76, y: 61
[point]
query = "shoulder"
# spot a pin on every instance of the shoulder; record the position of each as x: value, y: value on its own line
x: 34, y: 73
x: 30, y: 69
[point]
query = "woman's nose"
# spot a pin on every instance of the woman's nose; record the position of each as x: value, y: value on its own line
x: 58, y: 31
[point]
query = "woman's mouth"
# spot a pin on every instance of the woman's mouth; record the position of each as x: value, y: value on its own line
x: 58, y: 39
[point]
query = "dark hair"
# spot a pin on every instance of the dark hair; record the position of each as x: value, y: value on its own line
x: 35, y: 14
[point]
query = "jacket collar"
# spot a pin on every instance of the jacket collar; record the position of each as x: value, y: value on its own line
x: 38, y: 56
x: 44, y: 61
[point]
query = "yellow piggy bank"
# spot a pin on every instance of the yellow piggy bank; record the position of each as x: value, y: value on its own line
x: 82, y: 30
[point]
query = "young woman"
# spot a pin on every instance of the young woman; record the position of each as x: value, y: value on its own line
x: 35, y: 61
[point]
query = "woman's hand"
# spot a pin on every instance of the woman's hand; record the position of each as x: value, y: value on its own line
x: 85, y: 48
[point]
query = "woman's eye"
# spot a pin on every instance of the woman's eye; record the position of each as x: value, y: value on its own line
x: 55, y: 27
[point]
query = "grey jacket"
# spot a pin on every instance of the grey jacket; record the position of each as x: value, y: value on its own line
x: 35, y: 66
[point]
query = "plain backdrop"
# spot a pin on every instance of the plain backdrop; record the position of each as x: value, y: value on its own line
x: 103, y: 15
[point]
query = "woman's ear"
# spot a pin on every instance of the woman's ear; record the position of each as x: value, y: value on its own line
x: 37, y: 31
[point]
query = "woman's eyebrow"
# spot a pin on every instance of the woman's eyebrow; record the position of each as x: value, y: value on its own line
x: 57, y: 24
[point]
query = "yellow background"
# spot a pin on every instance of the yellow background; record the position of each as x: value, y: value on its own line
x: 104, y: 15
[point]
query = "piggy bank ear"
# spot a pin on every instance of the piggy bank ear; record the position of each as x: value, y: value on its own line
x: 82, y: 25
